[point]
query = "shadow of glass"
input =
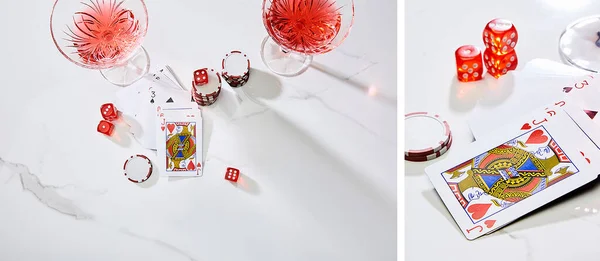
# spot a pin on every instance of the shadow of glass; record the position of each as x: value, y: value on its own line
x: 262, y: 86
x: 361, y: 86
x: 281, y: 135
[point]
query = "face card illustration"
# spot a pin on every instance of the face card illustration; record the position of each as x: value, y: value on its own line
x: 503, y: 176
x: 180, y: 146
x: 179, y: 143
x: 496, y: 181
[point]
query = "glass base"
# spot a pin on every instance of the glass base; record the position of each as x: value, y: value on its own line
x: 128, y: 73
x: 282, y: 62
x: 579, y: 44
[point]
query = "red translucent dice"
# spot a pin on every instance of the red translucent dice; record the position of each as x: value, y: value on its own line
x: 200, y: 77
x: 105, y: 127
x: 232, y: 174
x: 498, y: 65
x: 469, y: 66
x: 109, y: 112
x: 500, y: 36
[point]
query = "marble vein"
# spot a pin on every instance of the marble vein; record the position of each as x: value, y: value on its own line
x: 354, y: 56
x: 370, y: 64
x: 528, y: 247
x: 46, y: 194
x: 361, y: 71
x: 250, y: 115
x: 308, y: 96
x: 158, y: 242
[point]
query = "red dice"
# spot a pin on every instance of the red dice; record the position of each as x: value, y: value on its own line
x: 200, y: 77
x: 232, y: 174
x: 498, y: 65
x: 469, y: 66
x: 105, y: 127
x: 500, y: 36
x: 109, y: 112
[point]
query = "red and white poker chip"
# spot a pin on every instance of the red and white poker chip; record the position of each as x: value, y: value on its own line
x: 235, y: 68
x: 428, y: 136
x: 207, y: 94
x: 137, y: 168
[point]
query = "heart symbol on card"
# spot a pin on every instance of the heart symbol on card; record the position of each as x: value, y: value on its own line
x: 162, y: 128
x: 489, y: 223
x: 170, y: 127
x: 567, y: 89
x: 537, y: 137
x: 478, y: 210
x: 587, y: 159
x: 191, y: 166
x: 526, y: 126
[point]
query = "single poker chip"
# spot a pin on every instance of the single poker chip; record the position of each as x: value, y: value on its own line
x: 137, y: 168
x: 432, y: 156
x: 426, y: 133
x: 235, y: 68
x: 207, y: 94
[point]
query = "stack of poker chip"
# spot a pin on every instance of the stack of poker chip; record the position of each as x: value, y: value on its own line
x: 207, y: 94
x: 235, y: 68
x: 428, y: 136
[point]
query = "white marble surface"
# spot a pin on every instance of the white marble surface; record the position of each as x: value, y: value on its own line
x: 568, y: 229
x: 318, y: 157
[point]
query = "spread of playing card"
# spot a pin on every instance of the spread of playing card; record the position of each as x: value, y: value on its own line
x: 138, y: 103
x: 513, y: 171
x: 535, y: 87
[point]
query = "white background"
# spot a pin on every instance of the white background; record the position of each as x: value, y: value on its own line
x: 565, y: 230
x: 318, y: 157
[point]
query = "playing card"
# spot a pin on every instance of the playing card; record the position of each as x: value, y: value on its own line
x: 588, y: 98
x: 139, y: 102
x: 550, y: 112
x: 552, y: 68
x: 179, y: 141
x: 497, y: 180
x: 586, y: 124
x: 164, y: 75
x: 535, y: 91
